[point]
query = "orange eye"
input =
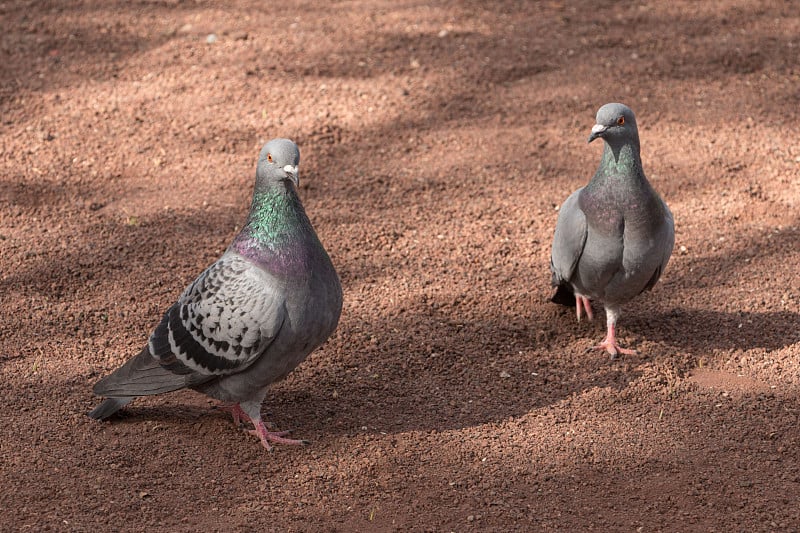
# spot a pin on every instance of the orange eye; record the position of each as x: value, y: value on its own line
x: 269, y: 158
x: 620, y: 121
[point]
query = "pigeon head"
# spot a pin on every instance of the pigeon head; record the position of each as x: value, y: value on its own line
x: 277, y: 162
x: 616, y: 124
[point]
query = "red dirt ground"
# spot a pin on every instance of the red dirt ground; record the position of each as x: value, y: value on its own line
x: 437, y: 140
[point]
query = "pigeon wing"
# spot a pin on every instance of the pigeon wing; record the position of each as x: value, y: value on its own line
x: 568, y: 240
x: 667, y: 243
x: 222, y: 322
x: 220, y: 325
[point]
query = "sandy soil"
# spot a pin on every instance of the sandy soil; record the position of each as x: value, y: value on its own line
x: 437, y: 141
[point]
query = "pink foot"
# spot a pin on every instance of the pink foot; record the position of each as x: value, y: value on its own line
x: 613, y: 348
x: 610, y: 345
x: 278, y: 437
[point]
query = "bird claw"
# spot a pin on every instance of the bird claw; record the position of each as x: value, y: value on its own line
x: 613, y: 349
x: 278, y: 437
x: 262, y: 430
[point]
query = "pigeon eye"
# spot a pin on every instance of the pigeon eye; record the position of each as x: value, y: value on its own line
x: 620, y: 121
x: 269, y: 158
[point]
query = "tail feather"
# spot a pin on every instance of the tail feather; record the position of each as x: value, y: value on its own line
x: 564, y: 295
x: 143, y: 375
x: 108, y: 407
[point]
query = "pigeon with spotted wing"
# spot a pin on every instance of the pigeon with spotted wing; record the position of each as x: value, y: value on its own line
x: 613, y: 237
x: 251, y: 317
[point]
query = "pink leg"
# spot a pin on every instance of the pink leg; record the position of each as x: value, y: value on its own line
x: 237, y: 412
x: 583, y: 301
x: 587, y: 305
x: 273, y: 436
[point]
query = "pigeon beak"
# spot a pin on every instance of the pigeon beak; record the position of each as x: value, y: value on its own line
x: 291, y: 170
x: 597, y: 131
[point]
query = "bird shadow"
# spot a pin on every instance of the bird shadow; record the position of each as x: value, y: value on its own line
x: 431, y: 380
x: 449, y: 374
x: 700, y: 331
x: 89, y: 46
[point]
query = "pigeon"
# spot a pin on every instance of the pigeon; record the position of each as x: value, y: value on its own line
x: 251, y: 317
x: 613, y: 237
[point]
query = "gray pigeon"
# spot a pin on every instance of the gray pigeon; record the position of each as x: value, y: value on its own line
x: 614, y: 236
x: 250, y: 318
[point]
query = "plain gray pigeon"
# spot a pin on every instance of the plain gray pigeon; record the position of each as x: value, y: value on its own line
x: 614, y: 236
x: 250, y: 318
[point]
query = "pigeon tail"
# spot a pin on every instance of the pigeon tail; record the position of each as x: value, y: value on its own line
x: 144, y: 375
x: 108, y: 407
x: 564, y: 295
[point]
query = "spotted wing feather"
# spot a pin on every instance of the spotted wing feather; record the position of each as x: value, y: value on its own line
x: 223, y: 321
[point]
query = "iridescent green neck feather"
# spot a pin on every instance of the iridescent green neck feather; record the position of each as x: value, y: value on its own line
x: 623, y: 161
x: 277, y: 230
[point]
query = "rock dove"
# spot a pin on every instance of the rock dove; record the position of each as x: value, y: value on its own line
x: 251, y: 317
x: 614, y: 236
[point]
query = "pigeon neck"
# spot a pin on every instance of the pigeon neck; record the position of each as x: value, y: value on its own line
x: 275, y: 221
x: 620, y: 160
